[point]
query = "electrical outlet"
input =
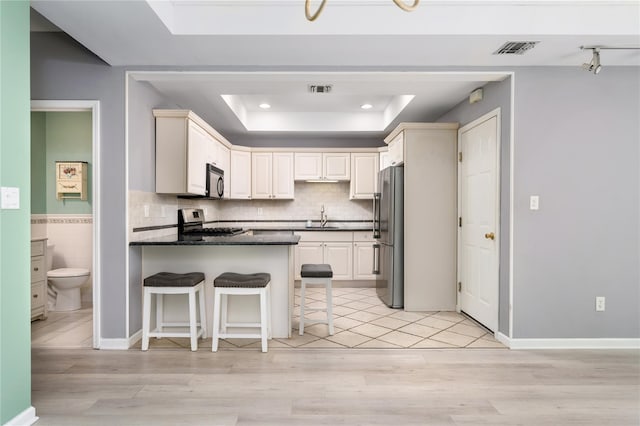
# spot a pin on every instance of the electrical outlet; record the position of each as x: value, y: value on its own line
x: 146, y: 210
x: 600, y: 303
x: 259, y: 211
x: 534, y: 202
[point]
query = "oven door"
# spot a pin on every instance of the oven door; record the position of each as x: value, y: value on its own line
x: 215, y: 182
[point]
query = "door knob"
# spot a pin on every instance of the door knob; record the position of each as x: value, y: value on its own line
x: 490, y: 236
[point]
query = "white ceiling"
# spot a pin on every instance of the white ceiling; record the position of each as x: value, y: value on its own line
x: 356, y: 36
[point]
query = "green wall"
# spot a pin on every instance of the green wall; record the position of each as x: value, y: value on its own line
x: 58, y: 136
x: 15, y: 294
x: 38, y: 163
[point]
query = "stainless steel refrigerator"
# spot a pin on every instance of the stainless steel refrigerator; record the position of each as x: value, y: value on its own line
x: 388, y: 230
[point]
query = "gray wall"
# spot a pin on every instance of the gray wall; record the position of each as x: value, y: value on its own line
x: 62, y: 69
x: 496, y: 95
x: 577, y: 147
x: 143, y: 98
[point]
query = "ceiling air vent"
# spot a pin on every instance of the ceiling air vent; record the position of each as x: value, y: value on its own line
x: 320, y: 88
x: 515, y: 47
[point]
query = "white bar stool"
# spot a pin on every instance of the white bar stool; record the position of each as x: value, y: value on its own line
x: 316, y: 274
x: 230, y: 283
x: 169, y: 283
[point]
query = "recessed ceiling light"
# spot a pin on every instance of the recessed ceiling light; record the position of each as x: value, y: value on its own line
x: 264, y: 105
x: 366, y: 106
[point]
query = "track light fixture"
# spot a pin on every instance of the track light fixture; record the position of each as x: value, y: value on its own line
x: 594, y: 66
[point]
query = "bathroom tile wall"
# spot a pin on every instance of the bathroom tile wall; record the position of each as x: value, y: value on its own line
x: 72, y: 238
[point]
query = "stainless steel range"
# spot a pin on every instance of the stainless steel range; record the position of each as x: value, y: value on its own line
x: 191, y: 223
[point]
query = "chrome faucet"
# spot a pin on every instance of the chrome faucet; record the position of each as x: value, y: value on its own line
x: 323, y: 217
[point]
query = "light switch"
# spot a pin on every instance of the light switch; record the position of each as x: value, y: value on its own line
x: 10, y: 198
x: 534, y: 202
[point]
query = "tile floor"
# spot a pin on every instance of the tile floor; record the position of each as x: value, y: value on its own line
x: 361, y: 320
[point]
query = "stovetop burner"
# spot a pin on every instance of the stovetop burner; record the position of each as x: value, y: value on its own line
x: 213, y: 231
x: 191, y: 221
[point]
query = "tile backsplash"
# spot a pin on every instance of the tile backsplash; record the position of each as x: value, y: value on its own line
x: 148, y: 209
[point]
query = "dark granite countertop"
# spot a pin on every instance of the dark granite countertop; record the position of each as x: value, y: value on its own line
x: 236, y: 240
x: 329, y: 227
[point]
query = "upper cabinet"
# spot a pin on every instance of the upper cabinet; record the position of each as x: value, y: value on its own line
x: 322, y: 166
x: 364, y: 175
x: 239, y: 181
x: 184, y: 146
x: 385, y: 160
x: 272, y: 175
x: 396, y: 150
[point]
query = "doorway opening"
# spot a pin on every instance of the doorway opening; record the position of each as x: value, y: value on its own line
x: 65, y: 136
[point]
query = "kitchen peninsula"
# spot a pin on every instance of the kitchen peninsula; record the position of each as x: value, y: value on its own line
x: 243, y: 253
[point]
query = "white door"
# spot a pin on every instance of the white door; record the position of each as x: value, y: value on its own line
x: 478, y: 251
x: 364, y: 175
x: 197, y: 153
x: 308, y: 165
x: 336, y: 166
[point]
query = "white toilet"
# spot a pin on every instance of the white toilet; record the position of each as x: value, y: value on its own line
x: 64, y: 285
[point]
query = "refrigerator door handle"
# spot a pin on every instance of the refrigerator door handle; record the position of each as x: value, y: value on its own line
x: 376, y: 259
x: 376, y: 215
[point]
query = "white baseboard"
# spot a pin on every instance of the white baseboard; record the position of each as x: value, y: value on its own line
x: 26, y: 418
x: 569, y: 343
x: 120, y: 344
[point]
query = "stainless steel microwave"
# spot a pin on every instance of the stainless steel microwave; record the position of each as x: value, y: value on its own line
x: 215, y: 182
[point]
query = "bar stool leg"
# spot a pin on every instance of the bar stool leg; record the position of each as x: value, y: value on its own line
x: 216, y: 321
x: 224, y: 316
x: 302, y: 302
x: 203, y: 312
x: 159, y: 313
x: 269, y: 311
x: 146, y: 319
x: 263, y: 319
x: 193, y: 330
x: 329, y: 306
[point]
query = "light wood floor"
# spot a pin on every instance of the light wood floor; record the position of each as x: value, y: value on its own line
x: 336, y: 387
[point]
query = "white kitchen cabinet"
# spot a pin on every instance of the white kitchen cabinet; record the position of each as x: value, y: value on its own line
x: 184, y: 145
x: 385, y: 160
x: 38, y: 279
x: 332, y: 247
x: 363, y: 242
x: 364, y: 175
x: 272, y: 175
x: 308, y: 165
x: 340, y: 257
x: 430, y: 214
x: 336, y: 165
x: 239, y: 177
x: 318, y: 165
x: 396, y: 150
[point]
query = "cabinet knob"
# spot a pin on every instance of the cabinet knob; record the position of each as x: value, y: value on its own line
x: 35, y: 269
x: 35, y: 296
x: 490, y: 236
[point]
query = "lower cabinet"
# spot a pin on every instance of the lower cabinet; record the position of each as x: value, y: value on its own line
x: 38, y: 279
x: 363, y: 242
x: 333, y: 248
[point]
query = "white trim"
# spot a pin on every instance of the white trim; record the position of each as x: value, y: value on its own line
x: 121, y: 344
x: 94, y: 107
x: 511, y: 199
x: 485, y: 117
x: 27, y: 417
x: 126, y: 205
x: 569, y: 343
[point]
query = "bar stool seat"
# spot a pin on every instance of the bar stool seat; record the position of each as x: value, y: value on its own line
x: 231, y: 283
x: 311, y: 274
x: 162, y: 283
